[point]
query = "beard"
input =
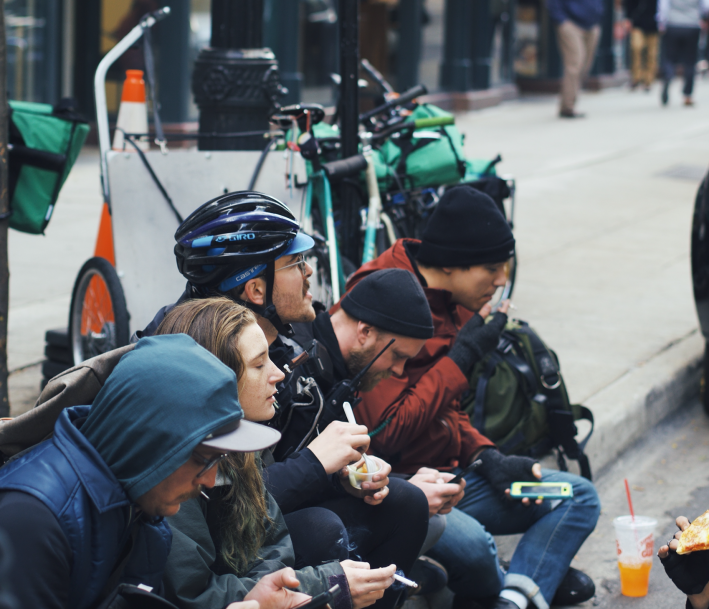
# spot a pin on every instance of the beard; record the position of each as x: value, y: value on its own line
x: 292, y: 308
x: 358, y: 360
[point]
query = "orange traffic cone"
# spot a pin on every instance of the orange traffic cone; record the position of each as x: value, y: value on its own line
x: 132, y: 113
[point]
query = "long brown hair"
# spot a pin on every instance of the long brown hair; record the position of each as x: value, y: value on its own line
x: 216, y: 324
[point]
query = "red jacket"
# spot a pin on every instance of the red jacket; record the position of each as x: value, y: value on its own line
x: 425, y: 424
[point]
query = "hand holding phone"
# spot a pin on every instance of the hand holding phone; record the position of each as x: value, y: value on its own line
x: 541, y: 490
x: 471, y: 468
x: 321, y: 599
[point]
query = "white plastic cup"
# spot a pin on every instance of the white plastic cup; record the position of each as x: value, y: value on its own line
x: 635, y: 546
x: 356, y: 478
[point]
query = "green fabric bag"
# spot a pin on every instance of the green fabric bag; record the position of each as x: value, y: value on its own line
x: 518, y: 400
x: 45, y: 142
x: 422, y: 163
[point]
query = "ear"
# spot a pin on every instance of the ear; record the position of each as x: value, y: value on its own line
x: 255, y: 291
x: 446, y: 270
x: 365, y: 333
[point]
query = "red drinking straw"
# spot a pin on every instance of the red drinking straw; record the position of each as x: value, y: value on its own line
x: 630, y: 501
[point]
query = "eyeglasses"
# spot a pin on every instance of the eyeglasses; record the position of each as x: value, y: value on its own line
x: 208, y: 463
x: 300, y: 263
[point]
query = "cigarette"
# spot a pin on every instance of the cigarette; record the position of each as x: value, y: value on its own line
x: 348, y: 413
x: 205, y: 495
x: 406, y: 582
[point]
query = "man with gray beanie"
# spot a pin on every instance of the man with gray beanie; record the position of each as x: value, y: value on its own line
x: 418, y: 425
x: 84, y: 510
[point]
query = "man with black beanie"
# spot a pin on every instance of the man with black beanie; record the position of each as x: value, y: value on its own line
x: 387, y: 521
x: 460, y: 263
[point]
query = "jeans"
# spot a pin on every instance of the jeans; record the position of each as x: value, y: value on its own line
x: 680, y: 46
x: 552, y: 536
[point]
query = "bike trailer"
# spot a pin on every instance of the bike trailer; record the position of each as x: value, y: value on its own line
x: 44, y: 143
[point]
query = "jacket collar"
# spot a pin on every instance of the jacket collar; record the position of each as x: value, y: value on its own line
x: 97, y: 479
x: 439, y: 300
x: 324, y: 332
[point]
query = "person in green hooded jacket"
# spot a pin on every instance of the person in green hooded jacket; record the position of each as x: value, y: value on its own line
x: 224, y: 545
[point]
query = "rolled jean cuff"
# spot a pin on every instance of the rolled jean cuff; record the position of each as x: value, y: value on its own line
x: 526, y: 586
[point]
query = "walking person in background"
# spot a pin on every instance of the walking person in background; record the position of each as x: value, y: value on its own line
x: 578, y: 30
x: 641, y: 16
x: 681, y: 22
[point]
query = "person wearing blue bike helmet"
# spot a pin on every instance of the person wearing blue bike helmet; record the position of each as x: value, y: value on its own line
x: 247, y: 246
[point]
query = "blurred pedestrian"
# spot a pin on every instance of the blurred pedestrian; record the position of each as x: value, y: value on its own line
x: 681, y: 22
x: 578, y: 30
x: 641, y: 16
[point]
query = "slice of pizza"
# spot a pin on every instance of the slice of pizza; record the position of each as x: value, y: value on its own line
x: 696, y: 536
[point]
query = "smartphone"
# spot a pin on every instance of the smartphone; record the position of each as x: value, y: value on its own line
x: 471, y: 468
x: 321, y: 599
x: 541, y: 490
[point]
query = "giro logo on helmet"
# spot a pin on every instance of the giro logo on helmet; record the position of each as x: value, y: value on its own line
x: 236, y: 237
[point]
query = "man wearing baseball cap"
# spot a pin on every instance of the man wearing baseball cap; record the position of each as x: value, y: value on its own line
x: 460, y: 263
x: 84, y: 510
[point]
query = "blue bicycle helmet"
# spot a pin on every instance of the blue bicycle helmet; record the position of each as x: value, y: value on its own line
x: 236, y: 237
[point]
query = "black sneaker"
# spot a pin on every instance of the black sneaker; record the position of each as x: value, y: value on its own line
x: 576, y: 587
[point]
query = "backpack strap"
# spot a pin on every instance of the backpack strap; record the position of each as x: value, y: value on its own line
x: 561, y: 420
x: 481, y: 390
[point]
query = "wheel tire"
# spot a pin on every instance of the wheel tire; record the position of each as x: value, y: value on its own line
x: 703, y: 393
x: 98, y: 317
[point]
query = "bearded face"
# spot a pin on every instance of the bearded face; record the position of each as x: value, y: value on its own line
x: 358, y: 360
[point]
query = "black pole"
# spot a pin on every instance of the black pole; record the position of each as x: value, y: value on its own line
x: 282, y: 30
x: 457, y: 68
x: 408, y: 55
x: 348, y: 16
x: 235, y: 82
x: 237, y: 25
x: 482, y: 33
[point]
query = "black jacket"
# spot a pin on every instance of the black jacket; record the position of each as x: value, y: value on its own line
x: 642, y: 14
x: 296, y: 478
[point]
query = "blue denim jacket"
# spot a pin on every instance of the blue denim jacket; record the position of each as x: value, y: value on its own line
x: 70, y: 478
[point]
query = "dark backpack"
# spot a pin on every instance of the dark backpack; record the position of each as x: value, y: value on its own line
x: 518, y: 399
x: 76, y: 386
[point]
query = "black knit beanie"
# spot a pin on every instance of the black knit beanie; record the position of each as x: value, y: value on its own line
x: 465, y: 229
x: 391, y: 300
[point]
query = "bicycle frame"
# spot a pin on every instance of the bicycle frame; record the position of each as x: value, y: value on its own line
x: 337, y: 276
x: 374, y: 211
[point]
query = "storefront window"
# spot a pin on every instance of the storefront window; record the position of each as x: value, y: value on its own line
x: 32, y: 30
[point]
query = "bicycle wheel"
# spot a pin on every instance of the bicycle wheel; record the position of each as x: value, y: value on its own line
x: 98, y: 317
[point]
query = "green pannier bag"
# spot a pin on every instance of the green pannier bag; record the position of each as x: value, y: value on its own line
x: 44, y: 143
x: 415, y: 162
x: 518, y: 400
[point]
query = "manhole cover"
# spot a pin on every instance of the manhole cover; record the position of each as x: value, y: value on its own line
x: 695, y: 173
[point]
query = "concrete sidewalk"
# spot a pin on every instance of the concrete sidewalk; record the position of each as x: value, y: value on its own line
x: 603, y: 221
x: 603, y: 228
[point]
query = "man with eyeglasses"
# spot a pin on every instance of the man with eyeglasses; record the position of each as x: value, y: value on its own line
x: 248, y: 246
x: 84, y: 510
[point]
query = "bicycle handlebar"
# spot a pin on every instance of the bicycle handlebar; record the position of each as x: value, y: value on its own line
x: 336, y: 170
x: 404, y: 98
x: 419, y: 123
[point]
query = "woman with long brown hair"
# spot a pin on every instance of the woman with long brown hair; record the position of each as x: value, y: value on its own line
x: 223, y: 545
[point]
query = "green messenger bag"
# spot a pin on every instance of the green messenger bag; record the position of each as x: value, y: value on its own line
x: 518, y: 400
x: 44, y: 143
x: 419, y: 161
